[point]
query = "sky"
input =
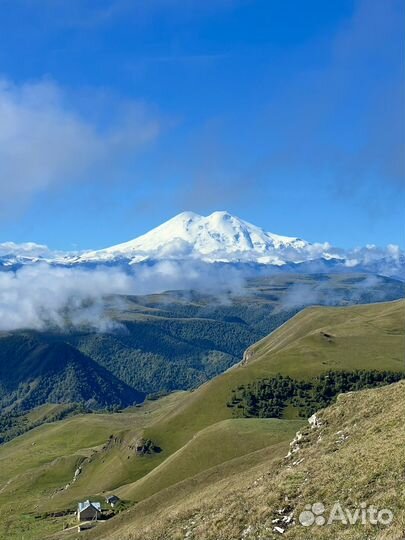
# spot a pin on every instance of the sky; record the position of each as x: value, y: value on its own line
x: 116, y: 115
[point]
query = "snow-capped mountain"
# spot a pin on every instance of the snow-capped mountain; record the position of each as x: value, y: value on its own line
x: 13, y: 255
x: 218, y: 238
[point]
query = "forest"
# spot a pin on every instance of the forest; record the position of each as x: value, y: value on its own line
x: 269, y: 398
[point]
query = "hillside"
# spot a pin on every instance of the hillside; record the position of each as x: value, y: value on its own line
x: 15, y: 422
x: 166, y: 342
x: 180, y: 339
x: 366, y: 337
x: 203, y: 450
x: 37, y: 467
x: 354, y: 455
x: 34, y: 372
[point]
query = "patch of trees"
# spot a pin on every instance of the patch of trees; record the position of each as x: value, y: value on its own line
x: 268, y: 398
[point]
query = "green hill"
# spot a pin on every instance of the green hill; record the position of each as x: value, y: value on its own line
x: 204, y: 451
x: 355, y: 456
x: 33, y: 372
x: 370, y: 337
x: 212, y: 446
x: 14, y: 422
x: 178, y: 340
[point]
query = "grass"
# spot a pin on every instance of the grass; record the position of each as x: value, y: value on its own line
x: 214, y: 482
x: 356, y: 455
x: 366, y: 337
x: 46, y: 411
x: 212, y: 446
x: 35, y: 467
x: 205, y: 453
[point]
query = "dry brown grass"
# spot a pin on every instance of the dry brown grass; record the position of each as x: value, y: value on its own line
x: 357, y: 455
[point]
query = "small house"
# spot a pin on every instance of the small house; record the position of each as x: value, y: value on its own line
x: 88, y: 511
x: 112, y: 500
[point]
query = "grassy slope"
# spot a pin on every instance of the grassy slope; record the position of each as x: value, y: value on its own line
x: 368, y: 337
x: 34, y: 466
x: 40, y: 415
x: 192, y: 422
x: 209, y: 484
x: 366, y: 465
x: 212, y: 446
x: 299, y: 349
x: 45, y: 411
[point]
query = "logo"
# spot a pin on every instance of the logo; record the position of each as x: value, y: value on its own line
x: 313, y: 515
x: 316, y: 515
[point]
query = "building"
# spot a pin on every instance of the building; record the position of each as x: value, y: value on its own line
x: 112, y: 500
x: 87, y: 511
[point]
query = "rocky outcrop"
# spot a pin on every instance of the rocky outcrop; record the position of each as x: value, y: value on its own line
x: 144, y: 447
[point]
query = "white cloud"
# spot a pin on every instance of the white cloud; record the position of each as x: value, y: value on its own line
x: 45, y: 142
x: 323, y: 293
x: 40, y: 296
x: 25, y: 249
x: 188, y: 275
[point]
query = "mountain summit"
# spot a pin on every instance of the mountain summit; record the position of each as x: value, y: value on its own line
x: 219, y: 237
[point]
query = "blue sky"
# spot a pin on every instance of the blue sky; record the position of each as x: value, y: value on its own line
x: 116, y: 115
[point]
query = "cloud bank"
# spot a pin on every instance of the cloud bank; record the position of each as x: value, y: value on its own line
x: 24, y: 249
x: 301, y: 294
x: 41, y: 296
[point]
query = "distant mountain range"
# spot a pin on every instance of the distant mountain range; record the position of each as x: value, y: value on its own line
x: 219, y: 238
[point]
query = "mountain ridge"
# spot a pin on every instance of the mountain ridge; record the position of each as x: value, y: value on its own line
x: 34, y: 372
x: 219, y: 238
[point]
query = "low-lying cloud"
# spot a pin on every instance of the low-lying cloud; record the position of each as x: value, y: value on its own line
x: 42, y: 296
x: 322, y: 293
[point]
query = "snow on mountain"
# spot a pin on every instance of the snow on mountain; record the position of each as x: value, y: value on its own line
x: 14, y: 255
x: 219, y: 237
x: 25, y: 249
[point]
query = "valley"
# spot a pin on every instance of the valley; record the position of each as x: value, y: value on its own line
x: 203, y: 450
x: 164, y: 342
